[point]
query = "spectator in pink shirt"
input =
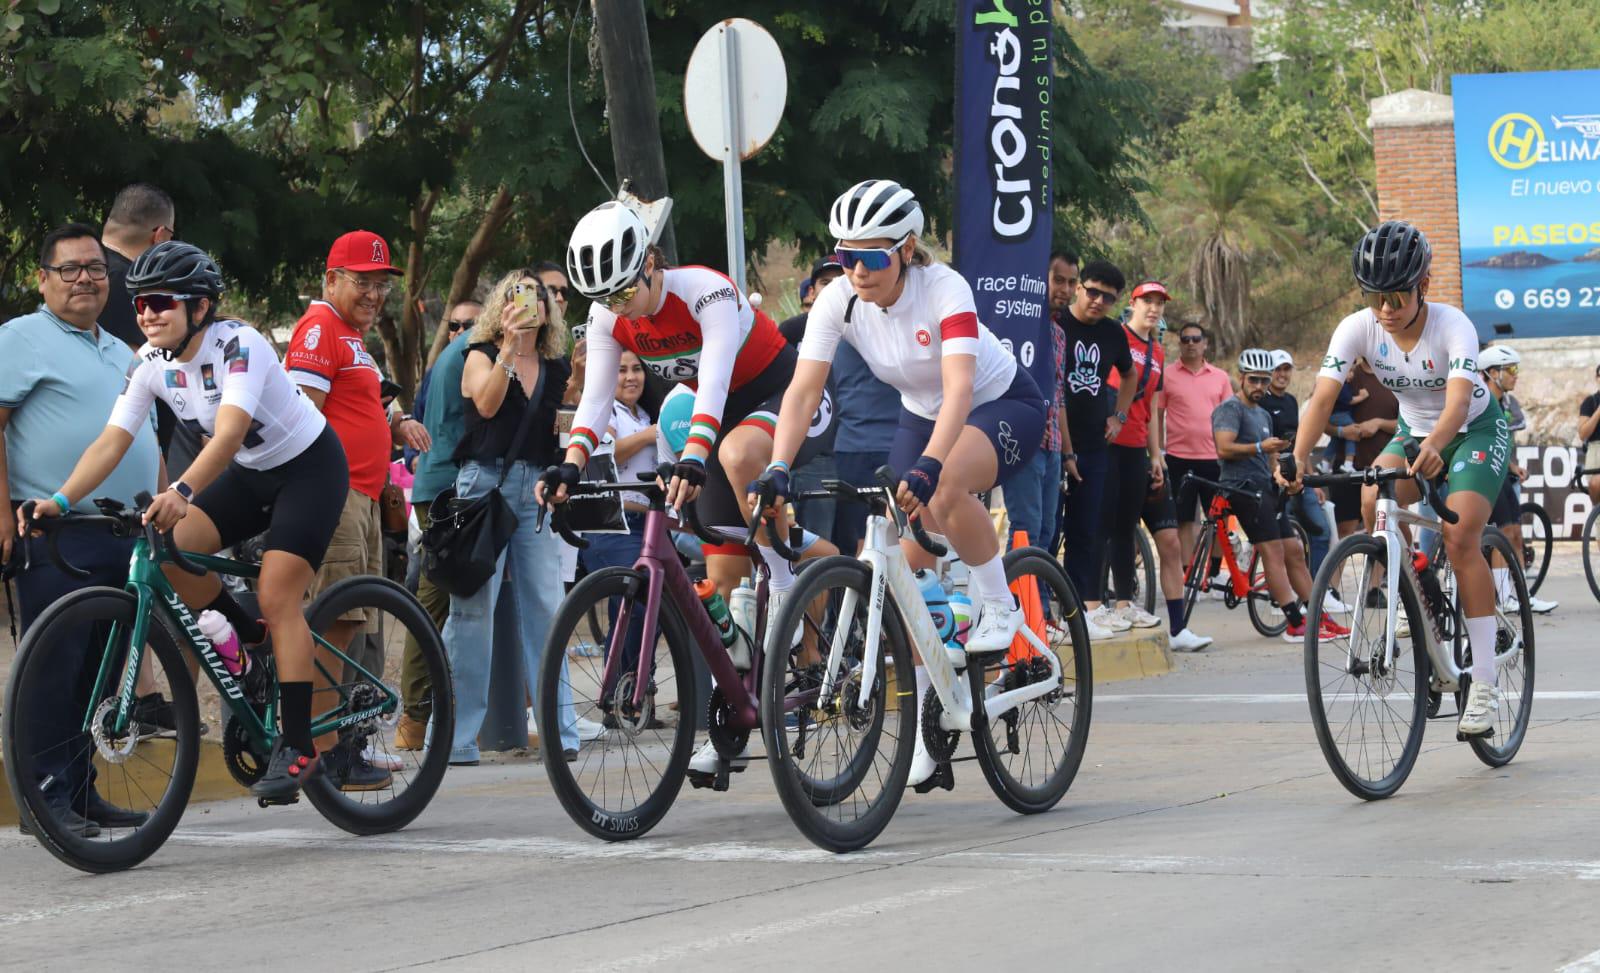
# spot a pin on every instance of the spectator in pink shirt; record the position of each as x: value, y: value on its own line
x: 1193, y: 391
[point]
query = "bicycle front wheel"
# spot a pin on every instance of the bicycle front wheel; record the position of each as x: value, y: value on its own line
x: 368, y: 784
x: 1369, y: 712
x: 628, y: 771
x: 1199, y: 573
x: 1591, y: 570
x: 1030, y: 754
x: 839, y: 762
x: 1514, y: 673
x: 100, y: 799
x: 1538, y: 538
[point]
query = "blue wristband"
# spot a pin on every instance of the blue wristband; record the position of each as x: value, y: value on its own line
x: 778, y: 464
x: 692, y: 459
x: 61, y: 501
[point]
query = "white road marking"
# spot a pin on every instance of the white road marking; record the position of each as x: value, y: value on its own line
x: 1589, y: 964
x: 1296, y: 698
x: 99, y: 905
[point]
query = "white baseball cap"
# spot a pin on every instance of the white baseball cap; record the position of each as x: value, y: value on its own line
x: 1281, y: 358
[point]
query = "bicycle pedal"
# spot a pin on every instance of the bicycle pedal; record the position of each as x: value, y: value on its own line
x: 942, y: 777
x: 264, y: 802
x: 1464, y: 737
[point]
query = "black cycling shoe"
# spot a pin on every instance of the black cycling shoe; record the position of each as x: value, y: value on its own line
x: 154, y: 714
x: 108, y: 815
x: 67, y: 818
x: 350, y: 770
x: 287, y: 770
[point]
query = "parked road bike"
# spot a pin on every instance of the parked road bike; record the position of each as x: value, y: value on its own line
x: 644, y: 694
x: 1027, y: 709
x: 1246, y: 584
x: 144, y: 631
x: 1372, y: 692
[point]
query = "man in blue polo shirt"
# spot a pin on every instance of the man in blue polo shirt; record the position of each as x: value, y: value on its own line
x: 60, y: 373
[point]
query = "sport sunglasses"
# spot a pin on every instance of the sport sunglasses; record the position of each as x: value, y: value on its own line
x: 159, y: 303
x: 873, y: 258
x: 1394, y: 299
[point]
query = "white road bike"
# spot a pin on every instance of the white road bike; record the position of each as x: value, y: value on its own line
x: 851, y: 620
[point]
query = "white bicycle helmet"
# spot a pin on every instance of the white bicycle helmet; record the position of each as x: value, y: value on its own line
x: 1497, y: 356
x: 1254, y: 361
x: 607, y: 250
x: 873, y: 209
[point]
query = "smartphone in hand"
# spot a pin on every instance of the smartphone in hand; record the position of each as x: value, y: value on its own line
x: 530, y: 297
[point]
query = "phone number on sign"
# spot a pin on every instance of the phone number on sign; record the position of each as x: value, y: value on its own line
x: 1547, y: 297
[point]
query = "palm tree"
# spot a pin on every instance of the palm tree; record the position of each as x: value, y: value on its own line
x: 1225, y: 217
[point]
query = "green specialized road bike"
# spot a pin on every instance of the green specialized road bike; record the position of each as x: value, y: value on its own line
x: 139, y: 637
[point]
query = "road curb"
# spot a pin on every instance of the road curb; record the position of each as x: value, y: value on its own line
x: 1135, y: 654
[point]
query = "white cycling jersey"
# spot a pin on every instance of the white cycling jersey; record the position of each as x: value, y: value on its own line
x: 1447, y: 348
x: 904, y: 344
x: 235, y: 366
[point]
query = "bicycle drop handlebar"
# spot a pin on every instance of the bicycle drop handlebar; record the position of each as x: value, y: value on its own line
x: 121, y: 523
x: 1373, y: 476
x: 1222, y: 487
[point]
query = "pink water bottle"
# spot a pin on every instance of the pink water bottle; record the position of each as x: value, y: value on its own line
x: 225, y: 640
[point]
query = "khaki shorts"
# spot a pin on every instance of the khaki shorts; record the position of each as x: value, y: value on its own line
x: 356, y: 549
x: 1591, y: 456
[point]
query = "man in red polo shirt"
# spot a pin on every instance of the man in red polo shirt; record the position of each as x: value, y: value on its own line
x: 1194, y: 389
x: 328, y: 359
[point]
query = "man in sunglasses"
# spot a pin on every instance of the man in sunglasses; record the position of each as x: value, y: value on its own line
x: 1193, y: 391
x: 1427, y: 354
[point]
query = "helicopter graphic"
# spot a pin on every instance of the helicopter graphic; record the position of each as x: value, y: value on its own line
x: 1587, y: 125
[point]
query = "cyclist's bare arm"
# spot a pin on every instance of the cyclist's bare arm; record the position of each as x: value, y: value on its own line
x: 800, y: 403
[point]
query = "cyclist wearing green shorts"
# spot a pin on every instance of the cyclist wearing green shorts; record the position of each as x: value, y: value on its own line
x: 1426, y: 353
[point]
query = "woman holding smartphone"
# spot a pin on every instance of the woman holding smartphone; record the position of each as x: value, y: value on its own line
x: 515, y: 366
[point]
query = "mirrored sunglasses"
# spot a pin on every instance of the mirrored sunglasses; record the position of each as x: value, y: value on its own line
x: 159, y: 303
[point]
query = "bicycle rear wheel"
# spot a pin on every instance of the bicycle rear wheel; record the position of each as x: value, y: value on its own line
x: 57, y: 770
x: 1030, y: 754
x: 1591, y: 570
x: 1199, y: 572
x: 1514, y: 676
x: 1369, y: 715
x: 625, y: 779
x: 839, y: 764
x: 1538, y: 538
x: 368, y: 785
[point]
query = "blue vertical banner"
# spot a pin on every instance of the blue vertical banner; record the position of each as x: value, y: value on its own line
x: 1003, y: 198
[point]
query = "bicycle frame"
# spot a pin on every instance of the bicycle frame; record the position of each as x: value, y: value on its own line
x: 891, y: 574
x: 1216, y: 520
x: 153, y: 593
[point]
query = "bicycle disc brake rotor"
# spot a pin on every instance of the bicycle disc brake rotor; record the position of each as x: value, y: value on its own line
x: 941, y: 743
x: 730, y: 742
x: 114, y: 750
x: 240, y: 756
x: 630, y: 720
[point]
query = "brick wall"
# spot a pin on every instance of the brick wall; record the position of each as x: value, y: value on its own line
x: 1414, y: 145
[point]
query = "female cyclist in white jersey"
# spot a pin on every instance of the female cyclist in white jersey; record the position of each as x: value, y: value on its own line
x: 270, y: 464
x: 1426, y: 353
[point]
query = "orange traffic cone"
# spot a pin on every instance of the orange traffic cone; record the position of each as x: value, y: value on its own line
x: 1027, y: 591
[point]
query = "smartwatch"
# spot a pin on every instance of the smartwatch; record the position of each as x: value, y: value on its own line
x: 183, y: 490
x: 1122, y: 417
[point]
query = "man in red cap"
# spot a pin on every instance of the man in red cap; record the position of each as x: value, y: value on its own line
x: 329, y: 361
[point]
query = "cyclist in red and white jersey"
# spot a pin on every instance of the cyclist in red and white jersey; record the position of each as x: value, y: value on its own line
x: 689, y: 325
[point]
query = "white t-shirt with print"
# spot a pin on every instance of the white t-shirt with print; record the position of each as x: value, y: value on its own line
x: 1447, y: 349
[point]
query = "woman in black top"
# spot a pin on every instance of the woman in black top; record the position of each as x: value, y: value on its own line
x: 515, y: 373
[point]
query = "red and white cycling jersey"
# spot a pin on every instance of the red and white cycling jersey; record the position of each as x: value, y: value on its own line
x: 704, y: 334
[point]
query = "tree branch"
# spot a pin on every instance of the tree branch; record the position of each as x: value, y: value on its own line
x: 470, y: 267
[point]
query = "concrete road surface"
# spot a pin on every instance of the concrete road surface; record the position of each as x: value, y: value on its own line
x: 1204, y: 832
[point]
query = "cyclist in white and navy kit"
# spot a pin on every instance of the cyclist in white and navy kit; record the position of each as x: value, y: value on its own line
x: 969, y: 417
x: 270, y: 462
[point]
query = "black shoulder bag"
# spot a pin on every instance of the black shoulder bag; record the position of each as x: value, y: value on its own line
x: 465, y: 537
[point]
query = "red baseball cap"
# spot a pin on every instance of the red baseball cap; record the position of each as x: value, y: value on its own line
x: 1151, y: 287
x: 360, y: 251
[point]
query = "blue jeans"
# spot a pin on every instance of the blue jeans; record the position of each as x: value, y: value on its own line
x: 1033, y: 497
x: 532, y: 558
x: 619, y: 551
x: 850, y: 517
x: 1085, y: 529
x: 1316, y: 525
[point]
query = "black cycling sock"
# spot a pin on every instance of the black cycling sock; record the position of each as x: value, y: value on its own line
x: 250, y: 629
x: 1291, y: 611
x: 296, y: 716
x: 1175, y: 614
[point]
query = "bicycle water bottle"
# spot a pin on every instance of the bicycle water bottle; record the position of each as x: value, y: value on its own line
x: 735, y: 641
x: 223, y: 638
x: 938, y: 602
x: 742, y: 606
x: 961, y: 617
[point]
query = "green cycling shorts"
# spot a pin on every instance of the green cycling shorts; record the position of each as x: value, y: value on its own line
x: 1477, y: 458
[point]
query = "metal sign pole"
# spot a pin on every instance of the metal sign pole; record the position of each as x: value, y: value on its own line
x: 732, y: 185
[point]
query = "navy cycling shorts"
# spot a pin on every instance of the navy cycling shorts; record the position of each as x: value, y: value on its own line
x: 1013, y: 424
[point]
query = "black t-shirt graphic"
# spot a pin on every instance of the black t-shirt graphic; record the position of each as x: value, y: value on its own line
x: 1093, y: 350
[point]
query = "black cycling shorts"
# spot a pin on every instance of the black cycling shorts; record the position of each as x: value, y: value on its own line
x: 1507, y: 509
x: 1191, y: 496
x: 1159, y: 512
x: 297, y: 503
x: 1263, y: 520
x: 1346, y: 500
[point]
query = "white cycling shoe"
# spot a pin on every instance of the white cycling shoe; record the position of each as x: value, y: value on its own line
x: 705, y: 759
x: 1536, y: 605
x: 998, y: 623
x: 922, y: 764
x: 1477, y: 717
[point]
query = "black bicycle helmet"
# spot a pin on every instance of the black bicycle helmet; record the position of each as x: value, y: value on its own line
x: 181, y: 268
x: 1392, y: 256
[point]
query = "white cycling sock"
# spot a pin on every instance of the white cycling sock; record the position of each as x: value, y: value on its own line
x: 989, y: 581
x: 1502, y: 582
x: 782, y: 571
x: 1481, y: 637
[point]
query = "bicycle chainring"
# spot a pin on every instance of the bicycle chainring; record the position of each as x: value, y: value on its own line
x: 730, y: 742
x: 245, y: 764
x: 1230, y: 600
x: 941, y: 743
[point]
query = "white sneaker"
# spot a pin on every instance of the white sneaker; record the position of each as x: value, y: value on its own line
x: 1535, y: 604
x: 533, y: 728
x: 1137, y: 617
x: 1188, y: 641
x: 1477, y: 718
x: 998, y: 623
x: 384, y: 760
x: 705, y: 759
x: 588, y: 729
x: 1402, y: 626
x: 922, y: 764
x: 1096, y: 633
x: 1106, y: 617
x: 1331, y: 605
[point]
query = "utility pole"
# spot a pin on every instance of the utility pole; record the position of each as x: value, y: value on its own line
x: 631, y: 102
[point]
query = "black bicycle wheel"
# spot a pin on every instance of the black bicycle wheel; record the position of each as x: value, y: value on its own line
x: 624, y: 779
x: 1031, y: 753
x: 1538, y: 538
x: 1199, y: 573
x: 1369, y: 714
x: 1514, y: 675
x: 839, y: 763
x: 1590, y: 569
x: 148, y: 769
x: 368, y: 785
